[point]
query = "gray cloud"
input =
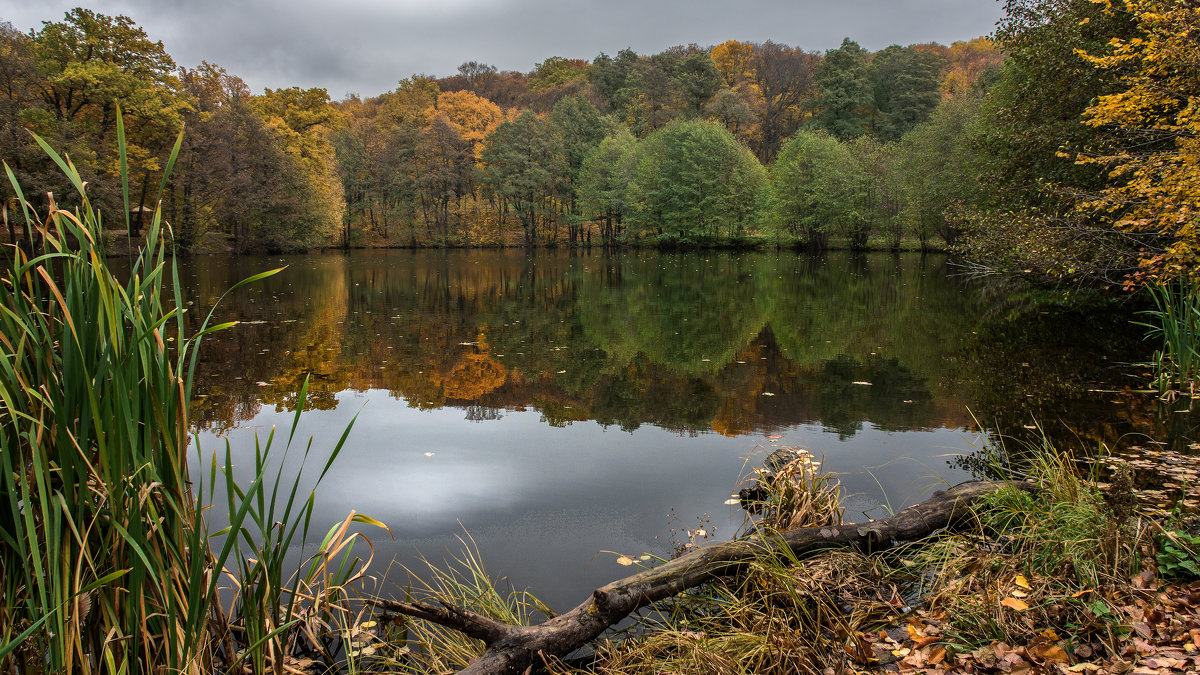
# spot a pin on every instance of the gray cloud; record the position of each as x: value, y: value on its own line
x: 366, y: 46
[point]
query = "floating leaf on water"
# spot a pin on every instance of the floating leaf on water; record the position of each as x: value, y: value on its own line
x: 624, y: 560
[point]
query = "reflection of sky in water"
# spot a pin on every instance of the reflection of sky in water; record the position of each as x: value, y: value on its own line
x: 543, y: 501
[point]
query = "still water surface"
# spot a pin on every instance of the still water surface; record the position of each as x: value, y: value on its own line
x: 562, y: 408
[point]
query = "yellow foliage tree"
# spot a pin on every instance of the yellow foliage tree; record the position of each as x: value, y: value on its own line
x: 473, y: 116
x: 735, y: 60
x: 1155, y: 173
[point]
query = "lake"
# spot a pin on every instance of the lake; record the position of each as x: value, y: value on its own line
x: 564, y: 408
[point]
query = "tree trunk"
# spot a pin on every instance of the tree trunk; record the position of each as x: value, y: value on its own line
x: 512, y: 649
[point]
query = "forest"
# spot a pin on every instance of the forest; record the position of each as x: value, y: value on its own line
x: 1041, y: 149
x: 699, y: 145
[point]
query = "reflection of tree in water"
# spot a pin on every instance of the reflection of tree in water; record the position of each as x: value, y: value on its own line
x: 482, y: 413
x: 691, y: 342
x: 879, y: 391
x: 690, y: 313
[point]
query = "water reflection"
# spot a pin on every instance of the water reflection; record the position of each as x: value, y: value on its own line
x: 721, y: 342
x: 558, y: 405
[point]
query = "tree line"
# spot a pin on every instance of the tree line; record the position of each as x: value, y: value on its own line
x: 733, y: 143
x: 1064, y: 147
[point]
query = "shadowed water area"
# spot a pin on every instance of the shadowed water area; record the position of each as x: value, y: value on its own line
x: 560, y: 408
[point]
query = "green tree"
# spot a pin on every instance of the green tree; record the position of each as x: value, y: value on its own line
x: 697, y: 80
x: 611, y: 78
x: 556, y: 71
x: 906, y: 87
x: 938, y: 171
x: 693, y: 181
x: 1029, y: 135
x: 580, y: 128
x: 89, y: 65
x: 603, y: 181
x: 524, y: 163
x: 815, y: 190
x: 844, y: 99
x: 1036, y: 107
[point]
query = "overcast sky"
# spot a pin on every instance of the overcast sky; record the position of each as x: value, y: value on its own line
x: 367, y: 46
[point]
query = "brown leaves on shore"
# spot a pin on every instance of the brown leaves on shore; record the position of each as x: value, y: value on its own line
x: 1156, y: 633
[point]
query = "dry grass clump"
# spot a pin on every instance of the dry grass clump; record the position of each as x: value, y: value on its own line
x: 797, y: 494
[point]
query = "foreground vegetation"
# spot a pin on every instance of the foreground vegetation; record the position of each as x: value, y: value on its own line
x: 1080, y: 576
x: 106, y: 559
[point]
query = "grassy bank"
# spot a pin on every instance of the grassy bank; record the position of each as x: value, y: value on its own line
x: 1089, y: 574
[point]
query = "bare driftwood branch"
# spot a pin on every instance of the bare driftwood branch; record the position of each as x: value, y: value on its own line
x: 512, y: 649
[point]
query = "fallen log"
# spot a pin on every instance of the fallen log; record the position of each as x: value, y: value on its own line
x: 513, y: 649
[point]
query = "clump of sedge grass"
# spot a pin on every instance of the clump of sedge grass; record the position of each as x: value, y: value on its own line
x: 1175, y: 322
x: 792, y: 492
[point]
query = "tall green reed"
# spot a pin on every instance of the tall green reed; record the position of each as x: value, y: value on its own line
x: 1175, y: 320
x: 105, y: 555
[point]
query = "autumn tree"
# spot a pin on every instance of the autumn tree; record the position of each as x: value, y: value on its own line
x: 304, y: 122
x: 22, y: 108
x: 236, y: 174
x: 971, y: 66
x: 785, y: 79
x: 89, y: 65
x: 1153, y: 168
x: 734, y: 60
